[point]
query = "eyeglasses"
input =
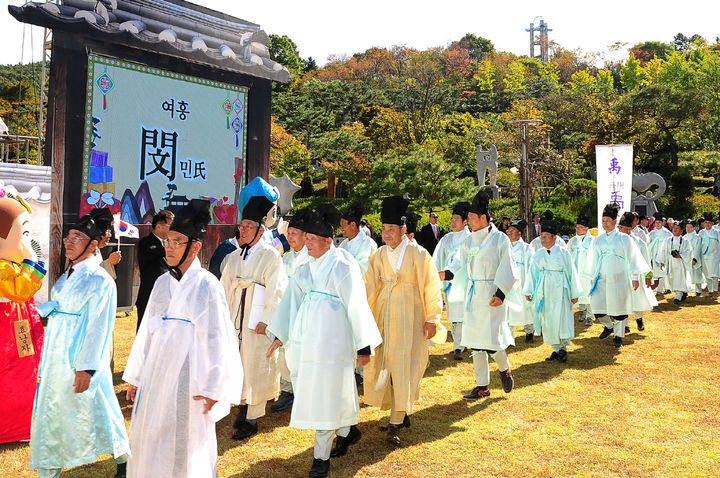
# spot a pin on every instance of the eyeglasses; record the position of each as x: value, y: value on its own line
x: 169, y: 244
x: 248, y: 227
x: 74, y: 239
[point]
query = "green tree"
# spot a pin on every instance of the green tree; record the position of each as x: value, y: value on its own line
x: 284, y: 51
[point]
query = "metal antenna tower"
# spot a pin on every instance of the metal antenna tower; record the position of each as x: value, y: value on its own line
x: 541, y: 39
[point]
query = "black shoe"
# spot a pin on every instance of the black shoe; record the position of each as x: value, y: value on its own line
x: 284, y: 400
x: 507, y: 380
x: 457, y: 355
x: 320, y: 468
x: 242, y: 415
x: 477, y: 392
x: 640, y: 324
x: 343, y: 443
x: 358, y: 379
x: 607, y: 332
x: 404, y: 424
x: 562, y: 355
x: 627, y: 329
x: 697, y: 294
x: 121, y: 470
x: 245, y: 430
x: 553, y: 356
x: 676, y: 301
x: 392, y: 434
x: 684, y: 296
x: 617, y: 342
x: 529, y: 338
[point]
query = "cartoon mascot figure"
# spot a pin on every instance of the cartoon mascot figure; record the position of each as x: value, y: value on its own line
x: 21, y: 332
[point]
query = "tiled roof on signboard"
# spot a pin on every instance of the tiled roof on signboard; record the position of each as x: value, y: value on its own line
x: 174, y: 27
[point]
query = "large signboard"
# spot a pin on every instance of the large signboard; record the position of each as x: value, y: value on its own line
x: 614, y: 176
x: 155, y: 139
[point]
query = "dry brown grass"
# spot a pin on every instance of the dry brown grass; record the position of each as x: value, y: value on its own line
x: 650, y: 409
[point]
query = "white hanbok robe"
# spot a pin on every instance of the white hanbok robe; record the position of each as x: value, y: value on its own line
x: 553, y: 282
x: 579, y: 248
x: 185, y: 347
x: 519, y: 309
x: 322, y: 320
x: 442, y: 258
x: 677, y: 268
x: 263, y: 266
x: 360, y: 247
x: 483, y: 264
x: 710, y: 253
x: 657, y: 236
x: 536, y: 244
x: 614, y: 261
x: 641, y: 233
x: 643, y: 297
x: 696, y: 275
x: 294, y: 259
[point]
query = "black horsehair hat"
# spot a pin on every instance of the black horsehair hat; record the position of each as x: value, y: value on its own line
x: 354, y: 212
x: 95, y: 224
x: 583, y: 219
x: 627, y: 219
x: 257, y: 209
x: 323, y: 221
x: 519, y: 224
x: 461, y: 209
x: 394, y: 210
x: 299, y: 219
x: 611, y: 210
x: 192, y: 219
x: 481, y: 202
x: 549, y: 226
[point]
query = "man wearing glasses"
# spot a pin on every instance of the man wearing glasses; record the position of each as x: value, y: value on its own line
x: 184, y: 368
x: 77, y: 416
x: 254, y: 280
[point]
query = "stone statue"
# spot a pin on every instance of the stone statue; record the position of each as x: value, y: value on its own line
x: 487, y: 163
x: 647, y: 188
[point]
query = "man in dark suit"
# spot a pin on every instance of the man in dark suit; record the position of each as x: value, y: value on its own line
x: 151, y: 259
x: 430, y: 234
x: 535, y: 226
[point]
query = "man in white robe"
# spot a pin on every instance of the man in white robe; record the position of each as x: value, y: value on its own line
x: 294, y: 258
x: 184, y: 368
x: 324, y: 322
x: 536, y: 244
x: 484, y: 272
x: 657, y: 236
x: 553, y: 286
x: 442, y: 258
x: 356, y: 242
x: 520, y: 313
x: 579, y: 248
x: 639, y: 228
x: 710, y: 252
x: 254, y: 280
x: 615, y: 268
x: 696, y: 275
x: 677, y: 254
x: 643, y: 299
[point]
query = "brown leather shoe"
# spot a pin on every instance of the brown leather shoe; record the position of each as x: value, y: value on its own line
x: 392, y: 435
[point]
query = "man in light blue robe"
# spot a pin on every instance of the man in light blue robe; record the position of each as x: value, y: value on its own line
x: 657, y: 236
x: 294, y: 258
x: 520, y: 313
x: 553, y: 286
x: 356, y: 242
x: 710, y: 252
x: 615, y: 268
x: 579, y: 248
x: 643, y: 298
x: 442, y: 258
x: 76, y: 415
x: 324, y: 323
x: 696, y: 275
x: 484, y: 272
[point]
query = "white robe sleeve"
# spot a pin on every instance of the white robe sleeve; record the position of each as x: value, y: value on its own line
x: 351, y: 290
x: 286, y: 312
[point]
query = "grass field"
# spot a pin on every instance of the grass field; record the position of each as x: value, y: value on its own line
x: 651, y: 408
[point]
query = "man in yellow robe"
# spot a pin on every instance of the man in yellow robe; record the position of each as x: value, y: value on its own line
x: 254, y: 280
x: 404, y: 293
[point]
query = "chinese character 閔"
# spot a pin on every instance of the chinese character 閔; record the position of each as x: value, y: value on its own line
x: 158, y: 153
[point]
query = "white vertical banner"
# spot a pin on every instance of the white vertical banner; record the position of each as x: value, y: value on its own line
x: 614, y: 164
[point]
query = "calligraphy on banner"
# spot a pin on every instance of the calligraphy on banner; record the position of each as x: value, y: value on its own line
x: 614, y: 176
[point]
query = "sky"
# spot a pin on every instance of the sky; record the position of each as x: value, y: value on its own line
x: 321, y: 27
